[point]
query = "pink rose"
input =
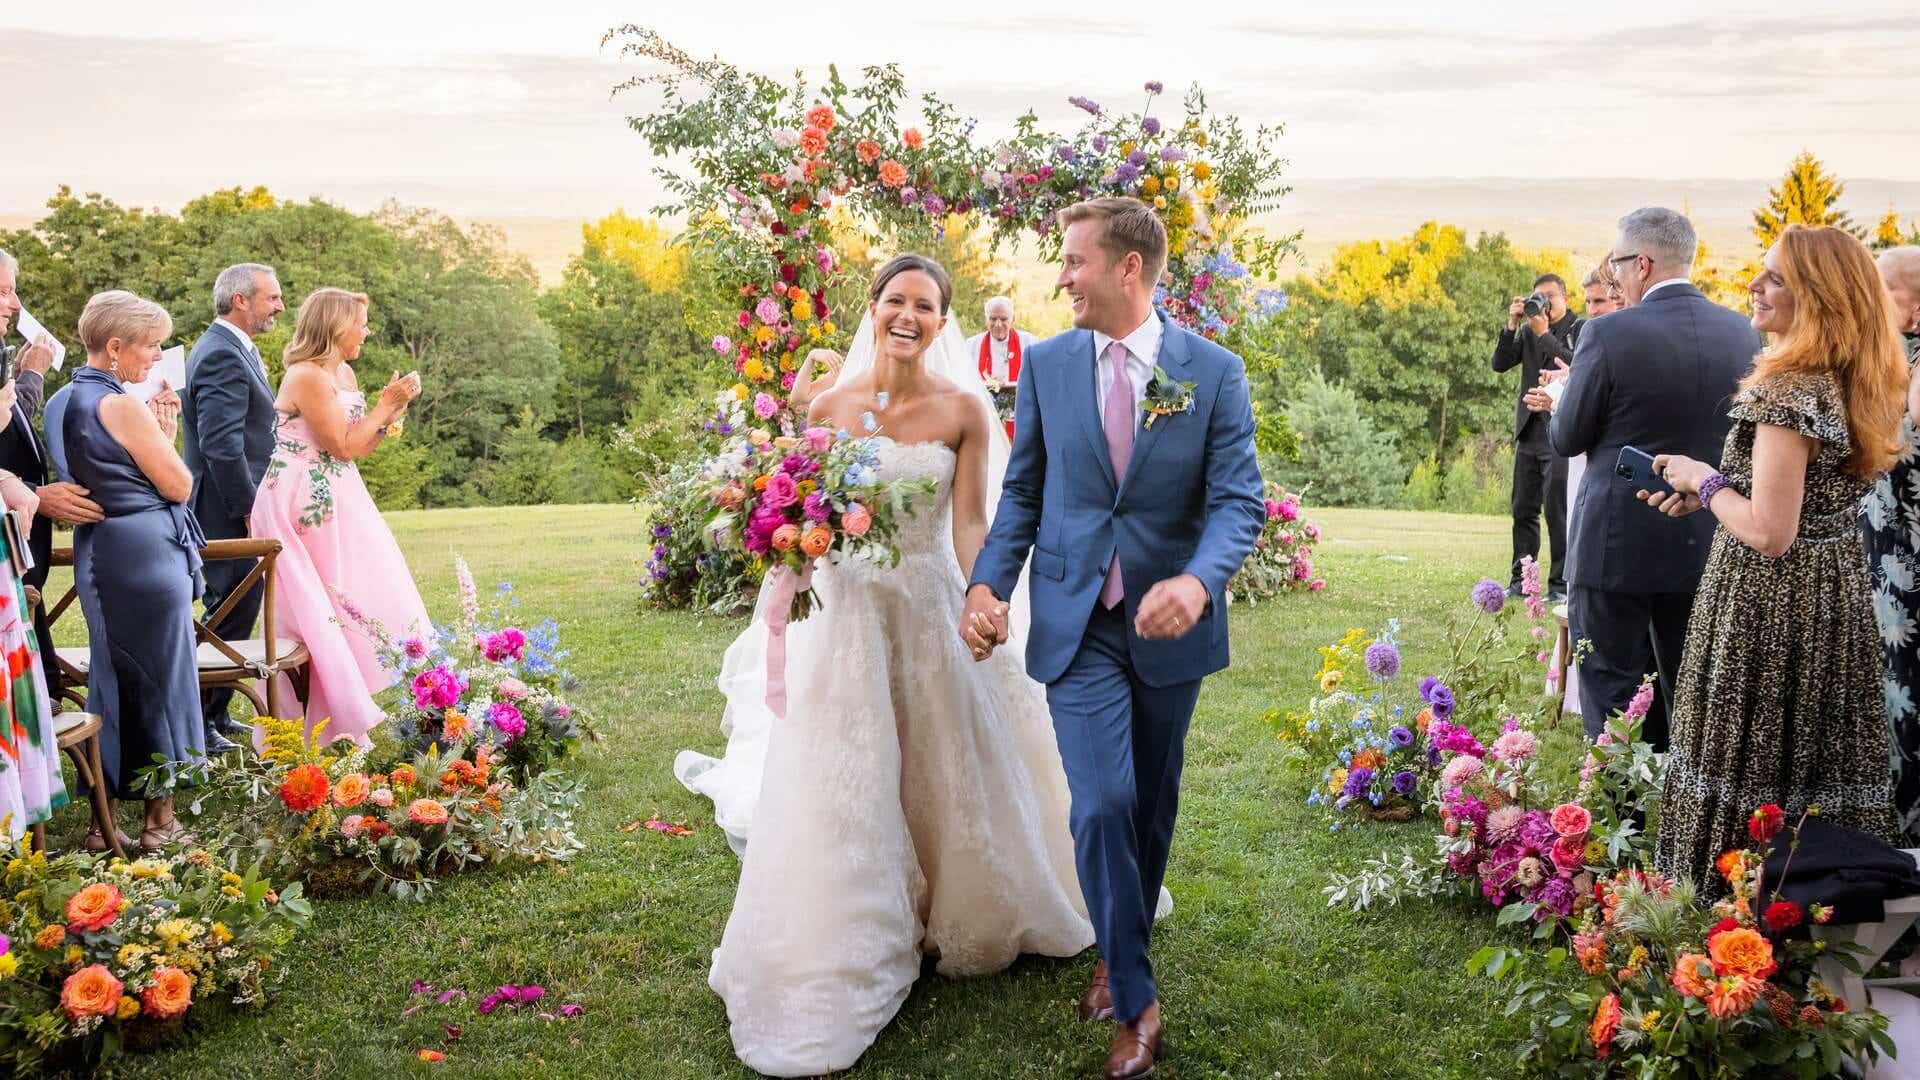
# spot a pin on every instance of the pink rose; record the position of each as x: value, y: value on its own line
x: 722, y: 344
x: 819, y: 439
x: 1289, y: 509
x: 381, y: 797
x: 855, y: 520
x: 781, y: 491
x: 1571, y: 819
x: 507, y: 719
x: 1569, y: 854
x: 513, y: 689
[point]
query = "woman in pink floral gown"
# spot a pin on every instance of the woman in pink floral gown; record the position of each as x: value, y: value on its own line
x: 338, y: 561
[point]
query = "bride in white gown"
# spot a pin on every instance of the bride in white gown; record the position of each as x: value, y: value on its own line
x: 911, y: 802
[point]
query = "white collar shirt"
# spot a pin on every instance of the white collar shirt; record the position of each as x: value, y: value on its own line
x: 1143, y: 351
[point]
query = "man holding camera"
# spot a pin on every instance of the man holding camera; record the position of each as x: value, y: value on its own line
x: 1540, y: 334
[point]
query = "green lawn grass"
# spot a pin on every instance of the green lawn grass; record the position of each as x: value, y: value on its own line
x: 1259, y: 978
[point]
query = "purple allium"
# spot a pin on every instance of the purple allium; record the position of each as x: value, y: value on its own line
x: 1126, y: 173
x: 1063, y: 152
x: 1099, y: 144
x: 1150, y: 125
x: 1489, y: 596
x: 1358, y: 782
x: 1172, y: 153
x: 1400, y: 735
x: 1138, y: 157
x: 1383, y: 660
x: 1404, y: 781
x: 1088, y: 104
x: 1156, y: 87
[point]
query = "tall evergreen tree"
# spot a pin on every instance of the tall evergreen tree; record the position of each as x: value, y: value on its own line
x: 1887, y: 234
x: 1805, y: 196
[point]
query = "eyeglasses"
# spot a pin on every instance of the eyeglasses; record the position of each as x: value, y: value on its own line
x: 1618, y: 259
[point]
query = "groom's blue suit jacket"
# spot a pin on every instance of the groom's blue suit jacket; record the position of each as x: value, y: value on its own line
x: 1191, y: 502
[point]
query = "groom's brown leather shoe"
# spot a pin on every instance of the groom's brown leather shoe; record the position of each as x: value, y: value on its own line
x: 1097, y: 1002
x: 1136, y: 1046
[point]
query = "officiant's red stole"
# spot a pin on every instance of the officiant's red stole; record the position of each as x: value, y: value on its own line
x: 1013, y: 361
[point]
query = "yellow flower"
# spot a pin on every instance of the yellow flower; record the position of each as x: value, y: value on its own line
x: 740, y: 391
x: 231, y: 878
x: 802, y: 310
x: 1126, y: 148
x: 1337, y: 781
x: 1330, y: 681
x: 755, y: 370
x: 813, y: 332
x: 1150, y: 186
x: 1202, y: 170
x: 174, y: 933
x: 786, y: 361
x: 1650, y: 1021
x: 128, y: 1008
x: 231, y: 892
x: 129, y: 955
x: 1200, y: 140
x: 220, y: 934
x: 827, y: 327
x: 9, y: 964
x: 1172, y: 182
x: 1159, y: 202
x: 74, y: 955
x: 763, y: 334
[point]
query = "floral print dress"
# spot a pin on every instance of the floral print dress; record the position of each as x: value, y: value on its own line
x: 338, y: 565
x: 1890, y: 524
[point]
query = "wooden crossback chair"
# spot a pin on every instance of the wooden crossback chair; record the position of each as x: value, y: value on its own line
x: 245, y: 666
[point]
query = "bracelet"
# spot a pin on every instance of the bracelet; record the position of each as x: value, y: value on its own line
x: 1710, y: 487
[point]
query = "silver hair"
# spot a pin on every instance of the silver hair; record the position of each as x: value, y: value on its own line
x: 1007, y: 300
x: 8, y: 261
x: 236, y: 280
x: 1662, y: 235
x: 1901, y: 264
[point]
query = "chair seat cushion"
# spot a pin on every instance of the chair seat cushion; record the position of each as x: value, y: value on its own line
x: 206, y: 657
x: 66, y: 721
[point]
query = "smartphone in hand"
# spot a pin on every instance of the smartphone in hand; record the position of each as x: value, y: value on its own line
x: 1635, y: 469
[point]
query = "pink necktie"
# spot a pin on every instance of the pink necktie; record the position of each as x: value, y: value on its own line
x: 1117, y: 418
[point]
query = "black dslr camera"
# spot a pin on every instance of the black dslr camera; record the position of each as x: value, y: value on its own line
x: 1537, y: 304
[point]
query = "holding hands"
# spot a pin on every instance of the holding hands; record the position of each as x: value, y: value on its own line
x: 983, y: 623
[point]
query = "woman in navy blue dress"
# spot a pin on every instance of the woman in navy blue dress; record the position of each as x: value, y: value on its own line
x: 136, y: 571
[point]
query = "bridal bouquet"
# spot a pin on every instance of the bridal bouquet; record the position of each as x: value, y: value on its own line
x: 1003, y: 394
x: 791, y: 500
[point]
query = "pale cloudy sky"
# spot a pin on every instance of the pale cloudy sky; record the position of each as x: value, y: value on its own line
x: 496, y: 108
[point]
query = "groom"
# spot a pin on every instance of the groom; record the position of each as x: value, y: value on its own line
x: 1134, y: 484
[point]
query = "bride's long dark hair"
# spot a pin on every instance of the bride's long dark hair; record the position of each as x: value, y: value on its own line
x: 900, y: 264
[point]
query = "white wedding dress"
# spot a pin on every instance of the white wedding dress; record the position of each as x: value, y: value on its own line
x: 912, y: 802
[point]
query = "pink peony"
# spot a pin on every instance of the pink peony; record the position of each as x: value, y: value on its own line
x: 1569, y: 854
x: 1571, y: 819
x: 352, y: 825
x: 819, y: 439
x: 768, y: 310
x: 1289, y: 509
x: 508, y: 644
x: 437, y: 688
x: 764, y: 405
x: 381, y: 797
x: 781, y: 491
x: 512, y: 689
x: 722, y: 344
x: 507, y: 719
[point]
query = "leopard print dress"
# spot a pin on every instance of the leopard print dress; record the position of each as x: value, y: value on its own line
x: 1779, y: 697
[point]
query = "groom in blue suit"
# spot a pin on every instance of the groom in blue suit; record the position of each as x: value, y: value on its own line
x: 1134, y: 485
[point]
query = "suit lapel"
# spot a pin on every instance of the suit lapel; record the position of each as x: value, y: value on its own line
x: 1080, y: 391
x: 1172, y: 359
x: 246, y: 355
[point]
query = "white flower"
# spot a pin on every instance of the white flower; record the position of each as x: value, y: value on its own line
x: 1896, y: 626
x: 1899, y: 698
x: 1898, y: 574
x: 1878, y: 505
x: 991, y: 177
x: 786, y: 138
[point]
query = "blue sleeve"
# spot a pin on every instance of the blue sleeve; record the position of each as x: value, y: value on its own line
x: 1017, y: 519
x: 1236, y: 509
x: 218, y: 395
x: 1575, y: 426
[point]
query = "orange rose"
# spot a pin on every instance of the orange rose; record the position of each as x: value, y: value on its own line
x: 352, y: 790
x: 1370, y: 758
x: 856, y: 520
x: 402, y: 776
x: 1730, y: 863
x: 913, y: 138
x: 813, y: 142
x: 426, y: 812
x: 1741, y: 951
x: 50, y: 937
x: 821, y: 116
x: 93, y: 908
x: 816, y: 541
x: 868, y: 150
x: 1693, y: 975
x: 892, y: 173
x: 91, y: 991
x: 170, y: 994
x: 304, y: 789
x: 785, y: 537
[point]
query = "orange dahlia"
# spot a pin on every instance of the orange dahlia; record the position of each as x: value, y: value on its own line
x: 1606, y: 1024
x: 304, y: 789
x: 1733, y: 995
x: 94, y: 907
x: 868, y: 150
x: 1730, y: 863
x: 170, y: 995
x: 1693, y: 975
x: 813, y: 142
x: 352, y: 790
x: 402, y: 776
x: 91, y: 991
x: 892, y: 173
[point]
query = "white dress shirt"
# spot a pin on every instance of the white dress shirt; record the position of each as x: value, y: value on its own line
x: 248, y: 338
x: 1143, y: 351
x: 1658, y: 285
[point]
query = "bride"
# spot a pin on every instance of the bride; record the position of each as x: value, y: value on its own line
x: 911, y: 802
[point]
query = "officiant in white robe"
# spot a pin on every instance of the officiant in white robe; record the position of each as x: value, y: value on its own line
x: 997, y: 350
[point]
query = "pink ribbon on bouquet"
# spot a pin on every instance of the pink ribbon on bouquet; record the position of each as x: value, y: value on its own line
x: 785, y: 587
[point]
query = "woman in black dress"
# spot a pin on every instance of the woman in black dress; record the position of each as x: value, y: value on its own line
x: 1890, y: 521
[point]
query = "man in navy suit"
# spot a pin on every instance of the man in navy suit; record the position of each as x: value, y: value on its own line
x: 226, y: 418
x: 1658, y: 376
x: 1134, y: 485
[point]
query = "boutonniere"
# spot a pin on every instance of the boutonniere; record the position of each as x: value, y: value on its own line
x: 1165, y: 397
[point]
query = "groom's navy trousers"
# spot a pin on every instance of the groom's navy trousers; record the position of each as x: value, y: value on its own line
x: 1121, y: 742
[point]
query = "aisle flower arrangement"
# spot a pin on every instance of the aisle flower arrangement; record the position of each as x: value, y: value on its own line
x: 329, y: 815
x: 99, y: 954
x: 1673, y: 987
x: 487, y: 681
x: 791, y: 500
x: 1282, y: 558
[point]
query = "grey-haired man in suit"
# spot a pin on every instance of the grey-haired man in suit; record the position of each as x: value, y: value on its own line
x: 226, y: 421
